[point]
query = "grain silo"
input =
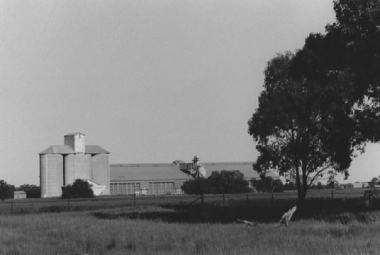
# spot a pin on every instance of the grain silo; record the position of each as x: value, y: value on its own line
x: 51, y: 174
x: 61, y: 165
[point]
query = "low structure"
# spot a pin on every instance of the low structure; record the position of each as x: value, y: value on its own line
x: 359, y: 185
x: 61, y: 165
x: 158, y: 179
x: 19, y: 194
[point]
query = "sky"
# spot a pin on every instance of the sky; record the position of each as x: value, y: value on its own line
x: 151, y: 81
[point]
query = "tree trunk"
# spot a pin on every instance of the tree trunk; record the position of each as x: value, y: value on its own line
x: 298, y: 182
x: 304, y: 181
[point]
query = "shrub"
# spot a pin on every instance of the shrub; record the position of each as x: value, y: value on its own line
x: 267, y: 184
x: 32, y: 191
x: 79, y: 189
x: 224, y: 182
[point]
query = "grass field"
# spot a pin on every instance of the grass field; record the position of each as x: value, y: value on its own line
x: 172, y: 225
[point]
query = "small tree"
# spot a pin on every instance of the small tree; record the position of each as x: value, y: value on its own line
x: 32, y: 191
x: 224, y: 182
x: 228, y: 182
x: 267, y: 184
x: 79, y: 189
x: 195, y: 186
x: 373, y: 182
x: 6, y: 190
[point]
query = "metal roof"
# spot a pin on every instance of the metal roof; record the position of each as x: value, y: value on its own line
x: 141, y: 172
x: 244, y: 167
x: 66, y: 149
x: 171, y: 171
x: 74, y: 133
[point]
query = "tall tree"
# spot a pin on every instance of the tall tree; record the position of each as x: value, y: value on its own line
x: 347, y: 58
x: 300, y: 126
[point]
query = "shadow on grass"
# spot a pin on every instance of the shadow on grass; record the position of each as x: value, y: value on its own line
x: 342, y: 210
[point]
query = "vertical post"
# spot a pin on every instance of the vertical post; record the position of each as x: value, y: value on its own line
x: 134, y: 199
x: 273, y: 196
x: 332, y: 194
x: 11, y: 206
x: 247, y: 197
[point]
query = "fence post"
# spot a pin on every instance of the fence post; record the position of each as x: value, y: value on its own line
x: 273, y: 196
x: 134, y: 199
x: 332, y: 194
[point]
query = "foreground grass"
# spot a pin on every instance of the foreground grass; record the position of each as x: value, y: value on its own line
x: 114, y: 231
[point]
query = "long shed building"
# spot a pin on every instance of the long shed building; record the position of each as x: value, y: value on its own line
x: 158, y: 179
x: 61, y: 165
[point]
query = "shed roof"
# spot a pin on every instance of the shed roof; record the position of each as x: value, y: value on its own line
x: 171, y: 171
x: 66, y: 149
x: 140, y: 172
x: 74, y: 133
x: 245, y: 168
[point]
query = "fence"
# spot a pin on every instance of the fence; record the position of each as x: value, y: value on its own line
x: 25, y: 206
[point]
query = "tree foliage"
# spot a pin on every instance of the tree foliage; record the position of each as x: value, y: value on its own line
x: 295, y: 127
x: 79, y: 189
x: 267, y: 184
x: 32, y: 191
x: 6, y: 190
x: 223, y: 182
x: 346, y: 60
x: 322, y: 104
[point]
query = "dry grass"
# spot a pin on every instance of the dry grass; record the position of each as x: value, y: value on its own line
x: 168, y: 225
x: 84, y: 233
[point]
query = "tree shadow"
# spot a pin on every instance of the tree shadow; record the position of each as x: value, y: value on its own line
x: 199, y: 214
x: 341, y: 210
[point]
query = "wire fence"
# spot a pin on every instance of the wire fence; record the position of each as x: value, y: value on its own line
x: 56, y: 205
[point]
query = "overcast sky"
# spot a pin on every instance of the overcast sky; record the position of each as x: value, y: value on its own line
x: 150, y: 81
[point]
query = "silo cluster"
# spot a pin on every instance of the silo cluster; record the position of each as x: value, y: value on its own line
x: 61, y: 165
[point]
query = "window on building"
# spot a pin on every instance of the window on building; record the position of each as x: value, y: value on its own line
x: 124, y: 188
x: 161, y: 188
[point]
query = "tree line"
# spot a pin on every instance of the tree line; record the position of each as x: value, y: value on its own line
x: 7, y: 190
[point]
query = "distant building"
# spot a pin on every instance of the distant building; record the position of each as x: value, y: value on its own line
x: 61, y: 165
x: 360, y: 185
x: 158, y: 179
x: 19, y: 194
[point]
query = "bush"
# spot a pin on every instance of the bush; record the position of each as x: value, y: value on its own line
x: 224, y: 182
x: 79, y: 189
x: 267, y: 184
x: 6, y: 190
x: 32, y: 191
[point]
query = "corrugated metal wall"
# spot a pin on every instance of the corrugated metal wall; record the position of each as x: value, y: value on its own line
x: 51, y: 175
x: 77, y: 166
x: 101, y: 171
x: 69, y: 169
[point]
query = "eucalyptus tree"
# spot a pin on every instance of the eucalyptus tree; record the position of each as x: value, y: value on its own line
x: 347, y: 57
x: 300, y: 127
x: 322, y: 104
